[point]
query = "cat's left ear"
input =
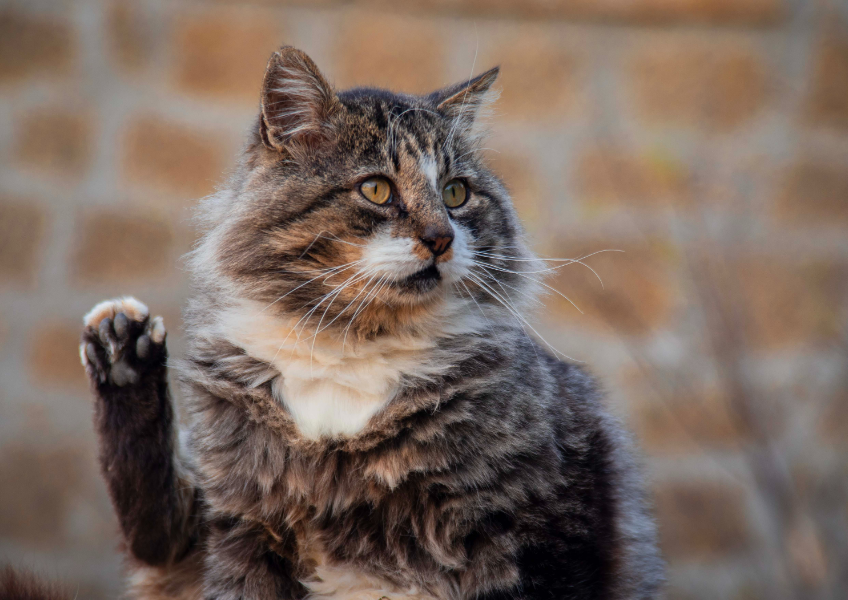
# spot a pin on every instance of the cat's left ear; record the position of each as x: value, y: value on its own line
x: 297, y: 103
x: 463, y: 102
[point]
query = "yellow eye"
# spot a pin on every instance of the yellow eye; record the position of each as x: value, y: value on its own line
x: 454, y: 193
x: 377, y: 190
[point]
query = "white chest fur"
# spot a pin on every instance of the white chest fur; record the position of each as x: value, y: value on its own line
x: 332, y: 392
x: 329, y: 390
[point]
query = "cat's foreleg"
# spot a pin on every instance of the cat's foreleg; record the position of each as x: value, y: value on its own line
x: 123, y: 351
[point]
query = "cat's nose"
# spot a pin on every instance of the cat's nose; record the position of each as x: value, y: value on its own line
x: 437, y: 239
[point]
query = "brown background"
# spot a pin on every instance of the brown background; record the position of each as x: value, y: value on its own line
x: 708, y: 139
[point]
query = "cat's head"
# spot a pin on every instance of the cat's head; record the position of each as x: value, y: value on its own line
x: 365, y: 206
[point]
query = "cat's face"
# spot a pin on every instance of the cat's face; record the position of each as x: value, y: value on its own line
x: 368, y: 207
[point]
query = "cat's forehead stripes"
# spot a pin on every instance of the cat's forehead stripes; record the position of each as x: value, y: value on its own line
x: 392, y: 129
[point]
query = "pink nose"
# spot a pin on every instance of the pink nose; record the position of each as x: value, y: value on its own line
x: 437, y: 239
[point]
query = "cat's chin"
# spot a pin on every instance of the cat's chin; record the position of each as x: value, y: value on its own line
x: 421, y: 282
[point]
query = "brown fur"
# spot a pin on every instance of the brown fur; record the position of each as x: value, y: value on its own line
x: 490, y: 470
x: 22, y: 585
x: 178, y: 581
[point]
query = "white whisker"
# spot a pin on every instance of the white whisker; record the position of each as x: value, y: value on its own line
x: 529, y: 296
x: 477, y: 304
x: 505, y: 303
x: 567, y: 261
x: 542, y: 283
x: 308, y: 315
x: 360, y: 307
x: 326, y: 276
x: 336, y: 293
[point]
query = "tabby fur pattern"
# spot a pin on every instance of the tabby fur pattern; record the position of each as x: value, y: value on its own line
x: 367, y: 416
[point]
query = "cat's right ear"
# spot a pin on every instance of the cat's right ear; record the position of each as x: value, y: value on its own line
x: 464, y: 101
x: 297, y: 103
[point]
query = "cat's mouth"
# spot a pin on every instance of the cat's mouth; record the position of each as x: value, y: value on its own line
x: 422, y: 281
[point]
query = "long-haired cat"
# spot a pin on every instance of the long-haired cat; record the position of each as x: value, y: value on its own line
x: 367, y: 417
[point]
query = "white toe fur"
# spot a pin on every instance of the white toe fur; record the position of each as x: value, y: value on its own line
x: 135, y: 310
x: 157, y: 330
x: 83, y: 357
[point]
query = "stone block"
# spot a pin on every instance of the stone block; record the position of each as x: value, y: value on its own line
x: 54, y: 360
x: 401, y: 53
x: 613, y: 178
x: 22, y: 228
x: 56, y: 140
x: 131, y: 33
x: 223, y: 53
x: 116, y: 247
x: 789, y: 304
x: 173, y: 157
x: 542, y: 78
x: 813, y: 194
x: 32, y: 45
x: 38, y: 487
x: 698, y: 83
x: 827, y: 104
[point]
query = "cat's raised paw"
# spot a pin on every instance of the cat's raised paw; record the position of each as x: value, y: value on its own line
x: 121, y: 343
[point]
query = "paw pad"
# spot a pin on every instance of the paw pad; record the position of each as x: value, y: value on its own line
x: 120, y: 343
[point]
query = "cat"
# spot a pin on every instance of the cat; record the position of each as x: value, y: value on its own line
x: 367, y: 415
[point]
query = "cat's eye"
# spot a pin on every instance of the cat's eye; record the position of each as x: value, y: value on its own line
x: 454, y: 193
x: 377, y: 190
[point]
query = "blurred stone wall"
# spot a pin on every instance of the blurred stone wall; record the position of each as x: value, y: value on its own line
x: 708, y: 139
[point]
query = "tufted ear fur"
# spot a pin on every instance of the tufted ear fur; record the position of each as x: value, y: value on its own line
x: 297, y: 103
x: 464, y: 101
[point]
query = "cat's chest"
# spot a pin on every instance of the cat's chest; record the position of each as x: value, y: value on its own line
x: 332, y: 395
x: 330, y: 387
